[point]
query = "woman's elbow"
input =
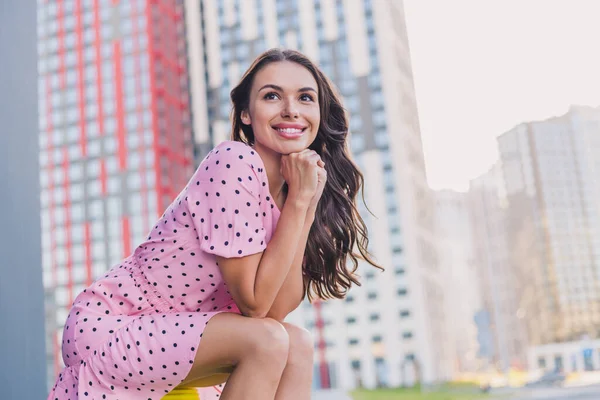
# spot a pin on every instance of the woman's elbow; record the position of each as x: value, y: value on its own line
x: 275, y: 313
x: 253, y: 312
x: 256, y: 314
x: 279, y: 312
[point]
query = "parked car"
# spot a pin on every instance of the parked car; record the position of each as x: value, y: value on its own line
x: 552, y: 378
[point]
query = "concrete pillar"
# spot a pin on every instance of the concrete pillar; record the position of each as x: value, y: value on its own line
x: 23, y: 366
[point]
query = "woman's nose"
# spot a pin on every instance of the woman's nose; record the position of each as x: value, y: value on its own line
x: 290, y: 109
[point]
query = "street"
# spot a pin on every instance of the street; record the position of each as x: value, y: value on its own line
x: 572, y: 393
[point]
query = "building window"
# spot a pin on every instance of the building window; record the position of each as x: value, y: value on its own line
x: 376, y: 339
x: 588, y: 362
x: 374, y: 317
x: 382, y: 140
x: 350, y: 320
x: 357, y: 140
x: 349, y: 299
x: 407, y: 335
x: 558, y: 363
x: 402, y: 292
x: 399, y: 271
x: 542, y: 362
x: 372, y: 295
x: 353, y: 341
x: 404, y: 314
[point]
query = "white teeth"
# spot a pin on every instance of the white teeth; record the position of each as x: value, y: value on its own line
x: 289, y: 130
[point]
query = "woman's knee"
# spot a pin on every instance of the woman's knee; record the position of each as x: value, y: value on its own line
x: 230, y: 339
x: 301, y: 345
x: 270, y: 339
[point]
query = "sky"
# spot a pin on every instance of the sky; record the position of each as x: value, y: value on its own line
x: 481, y: 67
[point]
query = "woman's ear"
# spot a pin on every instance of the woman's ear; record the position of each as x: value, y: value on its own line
x: 246, y: 117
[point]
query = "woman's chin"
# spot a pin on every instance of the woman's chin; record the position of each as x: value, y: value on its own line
x: 293, y: 145
x: 286, y: 146
x: 293, y: 148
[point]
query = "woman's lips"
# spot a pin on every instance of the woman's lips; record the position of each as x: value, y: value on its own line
x: 290, y: 133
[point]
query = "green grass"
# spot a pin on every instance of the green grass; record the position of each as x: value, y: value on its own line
x: 447, y: 392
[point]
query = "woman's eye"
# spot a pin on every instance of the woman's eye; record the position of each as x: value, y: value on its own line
x: 270, y: 96
x: 273, y: 96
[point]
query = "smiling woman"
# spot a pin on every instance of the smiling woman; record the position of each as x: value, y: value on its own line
x: 284, y: 89
x: 267, y: 219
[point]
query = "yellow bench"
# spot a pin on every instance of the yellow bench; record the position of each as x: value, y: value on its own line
x: 189, y: 391
x: 183, y: 394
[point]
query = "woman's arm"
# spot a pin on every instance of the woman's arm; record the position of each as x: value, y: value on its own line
x: 292, y: 291
x: 254, y: 281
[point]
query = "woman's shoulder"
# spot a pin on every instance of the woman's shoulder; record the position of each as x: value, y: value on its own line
x: 229, y: 158
x: 228, y: 146
x: 233, y: 153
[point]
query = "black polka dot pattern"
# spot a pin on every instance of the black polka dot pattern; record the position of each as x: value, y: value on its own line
x: 230, y: 205
x: 134, y: 332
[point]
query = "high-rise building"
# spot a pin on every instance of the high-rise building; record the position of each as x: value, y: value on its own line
x: 501, y: 334
x: 551, y: 170
x: 461, y: 290
x: 390, y: 331
x: 115, y: 137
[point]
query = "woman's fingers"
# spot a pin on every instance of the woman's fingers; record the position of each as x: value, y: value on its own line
x: 300, y: 170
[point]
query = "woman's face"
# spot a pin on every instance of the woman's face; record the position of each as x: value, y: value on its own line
x: 284, y: 108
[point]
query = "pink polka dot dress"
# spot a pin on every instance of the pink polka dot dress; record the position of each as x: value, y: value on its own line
x: 134, y: 333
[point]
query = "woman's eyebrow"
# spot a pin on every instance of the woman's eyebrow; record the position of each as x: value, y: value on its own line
x: 279, y: 88
x: 307, y: 89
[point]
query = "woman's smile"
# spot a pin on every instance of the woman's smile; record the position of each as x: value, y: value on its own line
x: 289, y: 130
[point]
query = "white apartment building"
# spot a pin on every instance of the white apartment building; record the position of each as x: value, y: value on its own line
x: 501, y: 330
x: 390, y: 331
x: 462, y: 292
x: 552, y: 176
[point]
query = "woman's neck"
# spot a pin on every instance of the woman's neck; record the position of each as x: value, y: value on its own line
x: 272, y: 162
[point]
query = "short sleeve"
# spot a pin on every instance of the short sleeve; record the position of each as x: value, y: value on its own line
x: 223, y: 198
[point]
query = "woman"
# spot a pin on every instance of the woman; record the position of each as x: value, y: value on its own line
x: 265, y: 220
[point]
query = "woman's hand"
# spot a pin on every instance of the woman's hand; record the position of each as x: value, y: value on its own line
x: 322, y: 180
x: 301, y: 172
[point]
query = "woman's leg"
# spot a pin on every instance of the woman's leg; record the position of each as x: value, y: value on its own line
x: 256, y: 348
x: 296, y: 381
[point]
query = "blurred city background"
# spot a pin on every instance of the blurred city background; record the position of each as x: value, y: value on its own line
x: 476, y: 125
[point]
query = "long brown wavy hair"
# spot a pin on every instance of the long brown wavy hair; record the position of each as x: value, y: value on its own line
x: 338, y: 227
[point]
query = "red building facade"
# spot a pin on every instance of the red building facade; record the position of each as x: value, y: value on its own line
x: 115, y: 137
